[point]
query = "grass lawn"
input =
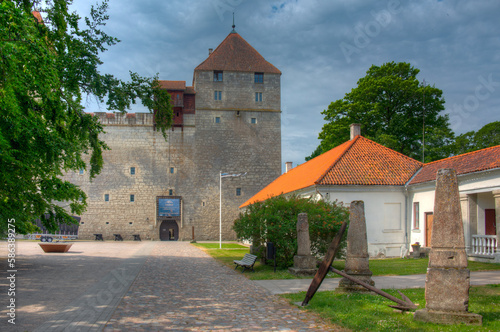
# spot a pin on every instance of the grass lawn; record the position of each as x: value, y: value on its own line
x: 379, y: 267
x: 366, y: 312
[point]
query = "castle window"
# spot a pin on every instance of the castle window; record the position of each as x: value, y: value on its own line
x: 217, y: 119
x: 238, y: 191
x: 172, y: 170
x: 170, y: 192
x: 258, y: 96
x: 132, y: 170
x: 106, y: 197
x: 132, y: 198
x: 253, y: 120
x: 217, y: 76
x: 259, y: 78
x: 217, y: 95
x: 81, y: 171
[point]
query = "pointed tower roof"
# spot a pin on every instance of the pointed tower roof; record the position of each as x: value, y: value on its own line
x: 359, y: 161
x: 236, y: 54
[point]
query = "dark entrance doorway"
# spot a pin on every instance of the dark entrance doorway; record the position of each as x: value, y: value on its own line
x: 490, y: 222
x: 169, y: 230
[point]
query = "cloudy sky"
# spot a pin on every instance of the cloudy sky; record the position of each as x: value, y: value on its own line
x: 322, y: 48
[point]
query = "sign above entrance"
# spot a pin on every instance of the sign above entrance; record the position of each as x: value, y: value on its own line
x: 169, y: 207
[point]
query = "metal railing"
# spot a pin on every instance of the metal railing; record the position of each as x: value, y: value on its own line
x: 484, y: 244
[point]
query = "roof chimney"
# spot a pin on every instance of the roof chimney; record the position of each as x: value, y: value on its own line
x: 288, y: 166
x: 355, y: 130
x: 210, y: 50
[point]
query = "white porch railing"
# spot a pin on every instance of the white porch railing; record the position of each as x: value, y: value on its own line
x: 484, y: 244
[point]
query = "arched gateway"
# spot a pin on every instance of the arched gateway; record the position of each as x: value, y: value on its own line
x: 169, y: 209
x: 169, y: 230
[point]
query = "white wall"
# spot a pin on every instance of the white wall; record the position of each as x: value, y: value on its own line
x: 481, y: 183
x: 384, y: 214
x: 425, y: 198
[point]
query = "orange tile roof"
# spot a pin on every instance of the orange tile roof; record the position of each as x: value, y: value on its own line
x: 173, y: 85
x: 356, y: 162
x: 369, y: 163
x: 236, y: 54
x: 475, y: 161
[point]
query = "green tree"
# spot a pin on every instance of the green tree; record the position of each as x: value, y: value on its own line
x: 275, y: 220
x: 487, y: 136
x: 45, y: 69
x: 391, y: 105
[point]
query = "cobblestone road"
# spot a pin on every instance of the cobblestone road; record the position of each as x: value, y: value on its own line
x: 181, y: 288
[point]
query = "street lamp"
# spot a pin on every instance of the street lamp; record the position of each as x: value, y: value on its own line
x: 224, y: 175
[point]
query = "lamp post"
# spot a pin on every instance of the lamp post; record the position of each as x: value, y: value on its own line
x: 224, y: 175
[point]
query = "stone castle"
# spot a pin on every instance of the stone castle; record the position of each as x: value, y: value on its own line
x: 229, y: 121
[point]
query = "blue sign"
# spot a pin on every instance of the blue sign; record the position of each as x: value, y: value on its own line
x: 169, y: 207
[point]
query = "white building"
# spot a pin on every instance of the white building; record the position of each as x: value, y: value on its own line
x: 398, y: 193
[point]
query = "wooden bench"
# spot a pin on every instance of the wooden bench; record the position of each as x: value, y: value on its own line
x: 98, y: 237
x: 246, y: 263
x: 118, y: 237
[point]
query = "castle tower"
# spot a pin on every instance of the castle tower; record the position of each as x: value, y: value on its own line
x: 238, y: 121
x: 228, y: 121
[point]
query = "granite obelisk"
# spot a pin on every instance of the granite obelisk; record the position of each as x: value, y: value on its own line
x: 356, y: 263
x: 304, y: 264
x: 448, y: 279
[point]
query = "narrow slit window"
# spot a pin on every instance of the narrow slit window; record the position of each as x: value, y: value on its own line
x: 132, y: 170
x: 132, y: 198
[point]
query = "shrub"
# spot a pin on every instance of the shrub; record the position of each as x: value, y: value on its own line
x: 275, y: 220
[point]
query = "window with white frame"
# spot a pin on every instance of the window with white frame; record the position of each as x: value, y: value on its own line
x: 258, y: 96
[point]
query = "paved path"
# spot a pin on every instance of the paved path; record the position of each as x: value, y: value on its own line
x: 181, y: 288
x: 386, y: 282
x: 156, y: 286
x: 57, y: 289
x: 92, y: 310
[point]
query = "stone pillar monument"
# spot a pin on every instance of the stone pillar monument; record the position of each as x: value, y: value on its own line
x: 447, y: 283
x: 304, y: 264
x: 356, y: 263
